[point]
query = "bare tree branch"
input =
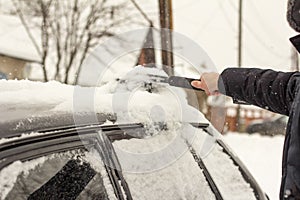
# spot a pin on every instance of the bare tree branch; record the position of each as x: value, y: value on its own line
x: 23, y: 21
x: 69, y: 30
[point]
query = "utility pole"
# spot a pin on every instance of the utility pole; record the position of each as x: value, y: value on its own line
x: 240, y: 34
x: 240, y: 40
x: 166, y: 25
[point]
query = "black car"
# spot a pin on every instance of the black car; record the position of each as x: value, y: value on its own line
x: 270, y: 126
x: 49, y: 157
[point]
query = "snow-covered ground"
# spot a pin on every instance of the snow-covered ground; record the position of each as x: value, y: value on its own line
x: 262, y: 156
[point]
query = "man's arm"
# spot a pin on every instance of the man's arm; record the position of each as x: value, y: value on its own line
x: 267, y: 89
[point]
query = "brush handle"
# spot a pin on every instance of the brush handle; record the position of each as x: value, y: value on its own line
x: 182, y: 82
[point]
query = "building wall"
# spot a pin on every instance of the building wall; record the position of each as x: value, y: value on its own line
x: 12, y: 68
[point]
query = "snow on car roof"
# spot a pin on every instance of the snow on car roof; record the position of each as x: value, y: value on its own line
x: 129, y: 100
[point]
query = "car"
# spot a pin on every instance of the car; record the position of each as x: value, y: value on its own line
x: 63, y: 154
x: 271, y: 126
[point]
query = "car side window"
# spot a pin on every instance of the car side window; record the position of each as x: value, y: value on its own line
x: 65, y: 175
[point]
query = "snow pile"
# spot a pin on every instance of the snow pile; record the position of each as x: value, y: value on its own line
x: 140, y: 76
x: 132, y: 101
x: 22, y: 99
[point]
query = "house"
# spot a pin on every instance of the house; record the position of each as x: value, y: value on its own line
x: 247, y: 113
x: 17, y: 50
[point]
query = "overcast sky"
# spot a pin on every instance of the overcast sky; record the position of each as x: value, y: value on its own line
x: 213, y: 25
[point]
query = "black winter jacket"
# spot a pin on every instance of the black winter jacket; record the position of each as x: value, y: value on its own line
x: 278, y: 92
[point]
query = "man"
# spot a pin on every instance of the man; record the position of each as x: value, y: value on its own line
x: 275, y: 91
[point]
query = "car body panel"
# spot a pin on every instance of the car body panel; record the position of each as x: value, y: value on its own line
x: 271, y: 126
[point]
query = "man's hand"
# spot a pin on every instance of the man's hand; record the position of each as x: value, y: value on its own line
x: 208, y: 82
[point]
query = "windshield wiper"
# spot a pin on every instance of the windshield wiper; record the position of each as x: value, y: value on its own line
x: 206, y: 174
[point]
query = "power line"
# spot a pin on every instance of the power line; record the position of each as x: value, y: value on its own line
x: 207, y: 22
x: 265, y: 45
x: 259, y: 59
x: 262, y: 22
x: 142, y: 12
x: 250, y: 52
x: 226, y: 16
x: 187, y: 5
x: 255, y: 35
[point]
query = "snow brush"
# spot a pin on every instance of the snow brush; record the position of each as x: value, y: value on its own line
x: 152, y: 76
x: 183, y: 82
x: 175, y: 81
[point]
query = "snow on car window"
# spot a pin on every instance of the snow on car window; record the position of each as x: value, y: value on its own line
x: 93, y: 158
x: 162, y: 167
x: 224, y: 172
x: 21, y: 179
x: 115, y: 97
x: 9, y: 175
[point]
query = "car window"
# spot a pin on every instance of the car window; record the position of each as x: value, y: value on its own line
x: 184, y: 177
x: 68, y: 175
x: 162, y: 167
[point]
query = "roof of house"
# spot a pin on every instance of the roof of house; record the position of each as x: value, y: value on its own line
x: 14, y: 40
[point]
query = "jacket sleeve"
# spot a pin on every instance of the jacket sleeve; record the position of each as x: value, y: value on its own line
x: 267, y: 89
